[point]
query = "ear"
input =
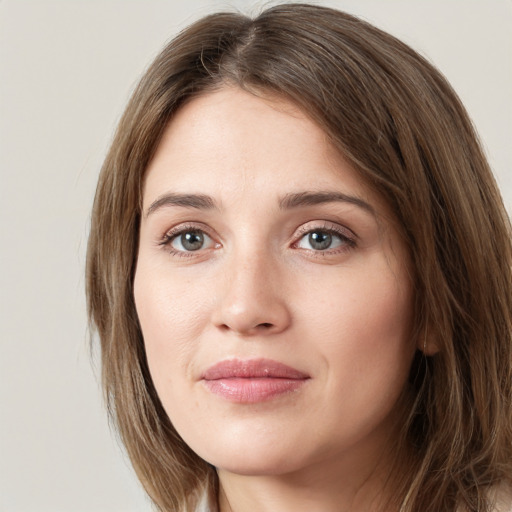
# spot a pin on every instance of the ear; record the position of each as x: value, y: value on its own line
x: 427, y: 343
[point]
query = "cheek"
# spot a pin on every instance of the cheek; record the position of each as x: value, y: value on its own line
x: 171, y: 316
x: 363, y: 304
x: 363, y: 326
x: 363, y: 334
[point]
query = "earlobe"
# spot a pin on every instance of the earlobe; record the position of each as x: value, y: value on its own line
x: 427, y: 344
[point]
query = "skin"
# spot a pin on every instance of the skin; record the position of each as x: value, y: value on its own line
x: 259, y: 288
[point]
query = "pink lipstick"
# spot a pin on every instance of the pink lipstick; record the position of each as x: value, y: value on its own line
x: 251, y: 381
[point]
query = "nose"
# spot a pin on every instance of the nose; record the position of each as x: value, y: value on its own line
x: 253, y: 300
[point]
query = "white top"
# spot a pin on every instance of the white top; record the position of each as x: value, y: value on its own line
x: 502, y: 496
x: 203, y: 504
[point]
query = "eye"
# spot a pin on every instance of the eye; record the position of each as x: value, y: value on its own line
x: 322, y: 239
x: 188, y: 240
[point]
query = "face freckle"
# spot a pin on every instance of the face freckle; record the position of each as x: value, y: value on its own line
x: 272, y: 291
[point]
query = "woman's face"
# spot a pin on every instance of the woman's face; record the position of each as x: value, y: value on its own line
x: 272, y: 291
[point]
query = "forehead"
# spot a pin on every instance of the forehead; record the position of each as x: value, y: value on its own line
x: 231, y: 144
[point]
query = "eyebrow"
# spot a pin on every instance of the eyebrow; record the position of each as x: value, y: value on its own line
x: 297, y: 200
x: 287, y: 202
x: 196, y: 201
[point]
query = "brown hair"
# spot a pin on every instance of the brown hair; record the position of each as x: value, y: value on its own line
x: 399, y: 123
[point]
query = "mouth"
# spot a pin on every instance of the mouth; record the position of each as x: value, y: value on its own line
x: 252, y: 381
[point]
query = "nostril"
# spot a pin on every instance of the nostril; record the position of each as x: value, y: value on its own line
x: 265, y: 324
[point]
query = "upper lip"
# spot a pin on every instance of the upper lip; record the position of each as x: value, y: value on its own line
x: 252, y: 368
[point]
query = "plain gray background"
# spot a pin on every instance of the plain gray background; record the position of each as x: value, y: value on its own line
x: 66, y: 70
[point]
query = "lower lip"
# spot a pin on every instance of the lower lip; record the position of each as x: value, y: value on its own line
x: 252, y: 390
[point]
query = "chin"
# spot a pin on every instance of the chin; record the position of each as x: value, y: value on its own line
x: 250, y: 454
x: 255, y: 464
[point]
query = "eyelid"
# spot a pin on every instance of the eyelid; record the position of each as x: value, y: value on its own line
x: 171, y: 234
x: 186, y: 226
x: 325, y: 225
x: 345, y: 234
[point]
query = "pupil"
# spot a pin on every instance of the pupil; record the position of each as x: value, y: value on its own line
x: 192, y: 241
x: 320, y: 240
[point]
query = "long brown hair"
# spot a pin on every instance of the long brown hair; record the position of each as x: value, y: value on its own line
x: 401, y: 126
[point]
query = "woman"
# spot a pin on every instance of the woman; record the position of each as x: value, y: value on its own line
x: 299, y: 270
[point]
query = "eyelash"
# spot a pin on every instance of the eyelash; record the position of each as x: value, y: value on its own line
x: 348, y: 241
x: 174, y: 233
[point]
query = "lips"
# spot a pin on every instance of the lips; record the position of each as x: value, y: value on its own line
x: 252, y: 381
